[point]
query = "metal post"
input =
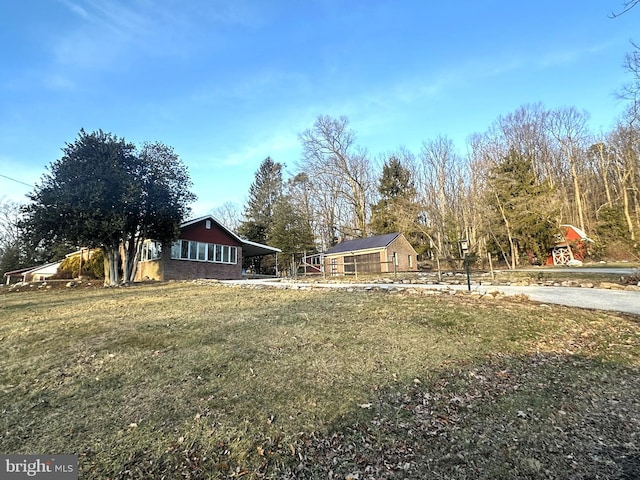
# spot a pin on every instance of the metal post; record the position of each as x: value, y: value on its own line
x: 466, y: 266
x: 395, y: 265
x: 355, y: 265
x: 493, y: 276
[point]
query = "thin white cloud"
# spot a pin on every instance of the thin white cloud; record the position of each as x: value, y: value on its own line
x: 279, y: 145
x: 237, y: 12
x: 108, y: 31
x: 558, y: 58
x: 76, y: 9
x: 123, y: 20
x: 144, y: 25
x: 258, y: 84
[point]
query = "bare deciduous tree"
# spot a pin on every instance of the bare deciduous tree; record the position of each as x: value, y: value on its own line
x: 340, y: 174
x: 625, y: 142
x: 229, y: 214
x: 442, y: 192
x: 626, y: 6
x: 10, y: 252
x: 568, y: 126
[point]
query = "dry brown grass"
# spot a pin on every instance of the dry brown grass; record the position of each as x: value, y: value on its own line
x: 194, y: 381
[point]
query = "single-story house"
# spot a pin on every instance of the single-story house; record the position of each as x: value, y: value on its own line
x: 205, y: 249
x: 32, y: 274
x: 571, y: 245
x: 387, y: 253
x: 46, y: 271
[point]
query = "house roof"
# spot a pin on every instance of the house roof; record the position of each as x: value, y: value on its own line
x: 46, y: 268
x: 18, y: 272
x: 249, y: 248
x: 80, y: 251
x: 378, y: 241
x: 24, y: 271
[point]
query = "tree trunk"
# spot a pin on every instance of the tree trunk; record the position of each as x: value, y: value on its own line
x: 512, y: 245
x: 577, y: 193
x: 132, y: 248
x: 627, y: 213
x: 111, y: 266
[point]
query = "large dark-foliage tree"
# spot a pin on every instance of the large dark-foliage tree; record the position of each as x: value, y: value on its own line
x: 105, y: 194
x: 524, y: 217
x: 163, y: 204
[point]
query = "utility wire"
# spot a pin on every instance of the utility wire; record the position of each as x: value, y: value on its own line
x: 17, y: 181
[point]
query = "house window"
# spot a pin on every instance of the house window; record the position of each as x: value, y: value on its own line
x: 410, y: 261
x: 334, y: 266
x: 175, y: 250
x: 204, y: 252
x: 151, y: 250
x: 193, y: 250
x: 207, y: 225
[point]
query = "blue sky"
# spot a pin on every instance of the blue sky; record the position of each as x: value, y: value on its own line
x: 230, y: 82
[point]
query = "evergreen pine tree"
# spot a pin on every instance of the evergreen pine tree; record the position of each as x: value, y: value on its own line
x: 398, y: 209
x: 290, y: 232
x: 263, y: 195
x: 523, y: 206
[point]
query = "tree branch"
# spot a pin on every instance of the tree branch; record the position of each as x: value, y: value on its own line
x: 626, y: 6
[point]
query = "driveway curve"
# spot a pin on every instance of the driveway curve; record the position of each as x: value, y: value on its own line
x: 595, y: 298
x: 623, y: 301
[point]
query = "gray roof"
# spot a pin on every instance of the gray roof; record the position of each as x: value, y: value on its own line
x: 379, y: 241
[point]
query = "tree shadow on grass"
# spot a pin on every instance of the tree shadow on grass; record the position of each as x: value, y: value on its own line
x: 528, y: 417
x: 534, y: 417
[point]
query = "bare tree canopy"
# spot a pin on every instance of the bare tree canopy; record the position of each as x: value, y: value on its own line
x: 340, y: 172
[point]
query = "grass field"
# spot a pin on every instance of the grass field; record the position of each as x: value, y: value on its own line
x: 181, y: 380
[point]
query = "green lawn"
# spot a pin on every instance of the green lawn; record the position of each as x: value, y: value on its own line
x: 190, y: 381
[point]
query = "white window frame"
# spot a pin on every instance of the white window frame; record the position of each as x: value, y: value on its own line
x: 194, y: 251
x: 151, y: 250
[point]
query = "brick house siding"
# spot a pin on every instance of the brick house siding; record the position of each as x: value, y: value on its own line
x: 208, y: 231
x: 188, y: 269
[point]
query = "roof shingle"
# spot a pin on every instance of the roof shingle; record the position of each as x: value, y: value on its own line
x: 378, y: 241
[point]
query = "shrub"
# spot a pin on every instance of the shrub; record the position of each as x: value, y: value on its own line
x: 92, y: 268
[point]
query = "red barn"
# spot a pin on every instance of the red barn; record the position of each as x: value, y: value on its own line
x: 571, y: 244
